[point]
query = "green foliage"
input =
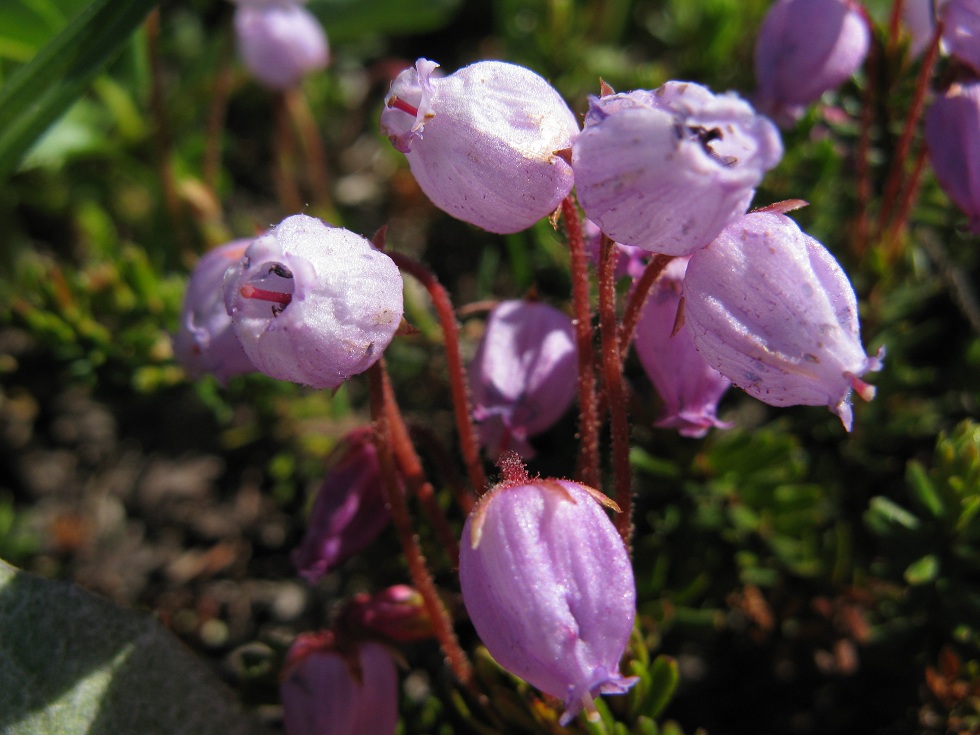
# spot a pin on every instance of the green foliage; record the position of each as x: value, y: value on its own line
x: 95, y: 668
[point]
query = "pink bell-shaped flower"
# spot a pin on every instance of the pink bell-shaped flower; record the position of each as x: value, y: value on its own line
x: 328, y: 690
x: 805, y: 48
x: 667, y: 170
x: 349, y: 510
x: 206, y: 340
x: 769, y: 307
x: 482, y: 142
x: 523, y: 375
x: 548, y: 584
x: 689, y: 387
x: 279, y: 41
x: 961, y: 31
x: 952, y: 130
x: 312, y: 303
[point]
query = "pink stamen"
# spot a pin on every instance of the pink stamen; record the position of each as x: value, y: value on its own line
x: 867, y: 392
x: 251, y: 292
x: 400, y: 104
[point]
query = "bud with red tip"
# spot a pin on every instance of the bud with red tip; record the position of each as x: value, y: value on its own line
x: 206, y: 341
x: 523, y: 375
x: 548, y: 584
x: 805, y: 48
x: 667, y: 170
x: 280, y: 41
x: 349, y: 510
x: 312, y: 303
x: 397, y: 612
x: 688, y: 386
x: 952, y: 128
x: 770, y: 308
x: 350, y: 691
x: 482, y: 142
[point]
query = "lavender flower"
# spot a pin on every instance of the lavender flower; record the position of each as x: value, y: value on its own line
x: 312, y: 303
x: 805, y: 48
x: 279, y: 41
x: 350, y: 691
x: 952, y: 130
x: 689, y: 387
x: 206, y: 341
x: 667, y: 170
x: 523, y: 375
x: 770, y: 308
x: 917, y: 16
x: 481, y: 142
x: 547, y: 582
x: 349, y: 511
x: 961, y: 31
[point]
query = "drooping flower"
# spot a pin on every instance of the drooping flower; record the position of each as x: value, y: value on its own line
x: 349, y: 691
x: 667, y: 170
x: 523, y: 375
x: 689, y: 387
x: 349, y: 510
x: 206, y: 340
x: 917, y: 15
x: 279, y: 41
x: 397, y: 612
x: 312, y: 303
x: 770, y: 308
x: 961, y: 31
x: 952, y: 130
x: 482, y: 142
x: 547, y: 582
x: 805, y: 48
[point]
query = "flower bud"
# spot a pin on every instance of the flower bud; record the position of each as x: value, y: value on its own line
x: 547, y: 582
x: 961, y: 31
x: 952, y: 131
x: 770, y: 308
x: 805, y: 48
x: 397, y: 612
x: 349, y: 510
x: 481, y: 142
x: 349, y: 692
x: 279, y: 41
x: 667, y: 170
x: 206, y: 340
x: 523, y: 375
x: 689, y: 387
x: 312, y: 303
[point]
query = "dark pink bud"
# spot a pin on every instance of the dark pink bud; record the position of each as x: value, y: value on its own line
x: 952, y: 128
x: 770, y: 308
x: 328, y: 691
x: 482, y: 142
x: 280, y: 41
x: 397, y: 612
x: 206, y: 341
x: 805, y: 48
x: 313, y: 303
x: 523, y: 375
x: 689, y: 387
x: 548, y: 585
x: 349, y: 510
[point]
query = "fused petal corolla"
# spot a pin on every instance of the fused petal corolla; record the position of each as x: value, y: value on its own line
x: 482, y: 142
x: 312, y: 303
x: 952, y: 129
x: 667, y: 170
x: 770, y: 308
x: 548, y: 584
x: 279, y: 41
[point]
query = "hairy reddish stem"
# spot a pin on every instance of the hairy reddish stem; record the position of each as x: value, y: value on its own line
x: 896, y: 174
x: 637, y: 298
x: 457, y: 375
x: 284, y: 163
x: 588, y: 427
x: 418, y: 570
x: 411, y: 467
x: 309, y: 136
x: 612, y: 370
x: 863, y: 163
x: 433, y: 449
